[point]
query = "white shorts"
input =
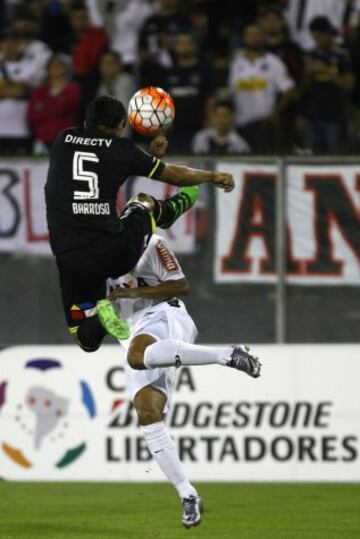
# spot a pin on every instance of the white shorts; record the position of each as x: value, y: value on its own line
x: 161, y: 322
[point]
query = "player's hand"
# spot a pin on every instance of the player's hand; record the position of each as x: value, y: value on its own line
x: 122, y: 293
x: 224, y: 181
x: 158, y: 146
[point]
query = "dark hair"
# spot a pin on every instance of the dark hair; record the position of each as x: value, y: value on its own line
x: 105, y: 111
x: 322, y: 25
x: 225, y: 103
x: 114, y: 54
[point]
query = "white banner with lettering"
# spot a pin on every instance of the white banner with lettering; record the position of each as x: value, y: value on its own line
x: 23, y: 225
x: 65, y: 415
x: 322, y: 229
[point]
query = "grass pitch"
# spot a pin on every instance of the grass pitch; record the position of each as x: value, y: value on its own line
x: 153, y: 511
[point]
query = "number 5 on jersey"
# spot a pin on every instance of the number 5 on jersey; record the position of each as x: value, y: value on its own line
x: 82, y: 175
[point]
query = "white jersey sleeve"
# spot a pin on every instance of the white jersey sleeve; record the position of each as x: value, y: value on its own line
x: 157, y: 265
x: 159, y: 262
x: 282, y: 79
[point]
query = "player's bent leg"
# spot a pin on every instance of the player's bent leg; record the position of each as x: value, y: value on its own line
x: 137, y: 349
x: 149, y: 403
x: 175, y: 206
x: 166, y: 212
x: 89, y: 334
x: 143, y: 199
x: 171, y: 352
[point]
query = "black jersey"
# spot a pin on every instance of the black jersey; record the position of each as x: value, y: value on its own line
x: 86, y: 169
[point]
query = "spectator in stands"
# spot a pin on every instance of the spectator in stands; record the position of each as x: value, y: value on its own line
x: 300, y: 13
x: 34, y: 53
x: 54, y: 105
x: 156, y: 43
x: 261, y: 89
x: 85, y: 47
x: 123, y: 21
x: 225, y: 22
x: 114, y: 81
x: 277, y: 40
x: 354, y: 47
x: 221, y: 138
x: 14, y: 132
x: 8, y: 10
x: 328, y: 85
x: 188, y: 83
x: 88, y: 41
x: 35, y: 8
x: 55, y: 25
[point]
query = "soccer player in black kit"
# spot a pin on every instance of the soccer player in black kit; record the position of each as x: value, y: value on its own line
x: 90, y: 242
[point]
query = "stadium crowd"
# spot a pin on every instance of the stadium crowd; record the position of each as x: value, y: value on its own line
x: 256, y: 76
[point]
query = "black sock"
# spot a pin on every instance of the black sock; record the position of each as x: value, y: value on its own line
x: 90, y: 334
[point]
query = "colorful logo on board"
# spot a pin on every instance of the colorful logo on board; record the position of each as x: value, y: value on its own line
x: 41, y: 415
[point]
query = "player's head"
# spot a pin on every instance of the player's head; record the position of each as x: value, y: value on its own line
x: 107, y: 114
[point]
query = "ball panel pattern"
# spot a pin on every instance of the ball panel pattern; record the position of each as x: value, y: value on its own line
x: 150, y: 110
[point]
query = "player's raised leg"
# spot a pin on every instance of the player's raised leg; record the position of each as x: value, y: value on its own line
x: 166, y: 212
x: 149, y: 403
x: 162, y: 213
x: 171, y: 352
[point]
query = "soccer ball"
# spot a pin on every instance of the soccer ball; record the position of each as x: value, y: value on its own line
x: 151, y: 109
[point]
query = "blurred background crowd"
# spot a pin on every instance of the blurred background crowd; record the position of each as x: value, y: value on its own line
x: 247, y: 77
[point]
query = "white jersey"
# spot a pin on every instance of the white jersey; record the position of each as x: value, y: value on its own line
x: 13, y: 123
x: 234, y: 143
x: 256, y: 85
x: 157, y: 265
x: 35, y: 57
x: 161, y: 319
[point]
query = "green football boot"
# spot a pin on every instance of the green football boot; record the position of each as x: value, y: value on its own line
x: 111, y: 321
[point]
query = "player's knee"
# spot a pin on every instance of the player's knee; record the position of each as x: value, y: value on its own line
x: 86, y: 348
x: 148, y: 414
x: 142, y: 198
x: 135, y: 358
x: 136, y: 352
x: 137, y: 349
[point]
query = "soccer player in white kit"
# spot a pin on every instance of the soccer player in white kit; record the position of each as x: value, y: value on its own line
x: 162, y: 334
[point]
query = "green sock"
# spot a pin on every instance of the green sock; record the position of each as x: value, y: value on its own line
x: 168, y: 211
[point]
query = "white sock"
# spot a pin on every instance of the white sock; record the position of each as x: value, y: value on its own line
x: 171, y: 352
x: 163, y: 450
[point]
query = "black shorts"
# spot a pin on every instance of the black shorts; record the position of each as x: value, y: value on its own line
x: 84, y: 270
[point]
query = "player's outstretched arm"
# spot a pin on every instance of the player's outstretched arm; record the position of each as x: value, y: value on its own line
x: 166, y: 290
x: 182, y: 176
